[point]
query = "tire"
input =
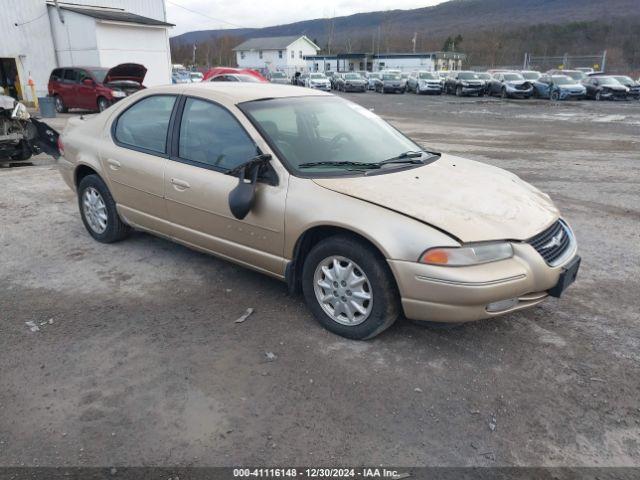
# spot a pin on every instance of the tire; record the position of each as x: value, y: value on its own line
x: 555, y: 96
x: 60, y: 106
x: 383, y: 307
x: 114, y: 229
x: 458, y: 91
x: 103, y: 104
x: 598, y: 97
x: 503, y: 93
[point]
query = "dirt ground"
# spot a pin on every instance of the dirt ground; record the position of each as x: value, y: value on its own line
x: 138, y: 360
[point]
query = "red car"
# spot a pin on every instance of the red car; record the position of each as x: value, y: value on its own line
x: 217, y: 71
x: 94, y: 88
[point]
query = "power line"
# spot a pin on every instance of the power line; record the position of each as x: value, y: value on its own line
x: 31, y: 21
x: 204, y: 15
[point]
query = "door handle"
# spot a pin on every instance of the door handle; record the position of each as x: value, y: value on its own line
x: 113, y: 164
x: 180, y: 185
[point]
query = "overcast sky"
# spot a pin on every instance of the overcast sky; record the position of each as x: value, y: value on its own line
x: 251, y: 13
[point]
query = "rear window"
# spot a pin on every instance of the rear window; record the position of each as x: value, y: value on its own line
x: 56, y: 74
x: 144, y: 125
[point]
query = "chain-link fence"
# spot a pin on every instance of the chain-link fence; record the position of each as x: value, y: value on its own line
x: 566, y: 61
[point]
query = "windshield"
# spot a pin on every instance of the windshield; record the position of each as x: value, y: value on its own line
x: 277, y: 75
x: 375, y: 75
x: 562, y: 80
x: 483, y: 76
x: 352, y: 76
x: 623, y: 79
x: 531, y: 75
x: 247, y: 78
x: 427, y: 76
x: 467, y: 76
x: 608, y: 81
x: 511, y: 77
x: 326, y: 129
x: 576, y: 75
x: 317, y: 76
x: 99, y: 74
x: 391, y: 76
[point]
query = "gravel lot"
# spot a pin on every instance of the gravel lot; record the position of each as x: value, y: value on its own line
x: 144, y: 365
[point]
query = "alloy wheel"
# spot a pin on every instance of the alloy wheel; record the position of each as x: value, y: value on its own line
x: 95, y: 210
x: 59, y: 104
x: 343, y: 290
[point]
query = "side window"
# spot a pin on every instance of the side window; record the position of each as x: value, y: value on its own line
x: 145, y: 124
x: 211, y: 135
x: 82, y: 75
x: 70, y: 75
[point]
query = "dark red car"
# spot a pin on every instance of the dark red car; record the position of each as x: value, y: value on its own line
x: 94, y: 88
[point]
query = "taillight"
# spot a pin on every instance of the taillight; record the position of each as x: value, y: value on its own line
x: 60, y: 146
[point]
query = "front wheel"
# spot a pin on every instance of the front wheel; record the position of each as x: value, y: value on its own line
x: 458, y: 91
x: 349, y: 288
x: 598, y: 97
x: 98, y: 211
x: 555, y: 96
x: 503, y: 93
x: 103, y: 104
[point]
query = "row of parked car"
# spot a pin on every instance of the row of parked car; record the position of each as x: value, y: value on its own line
x: 554, y: 84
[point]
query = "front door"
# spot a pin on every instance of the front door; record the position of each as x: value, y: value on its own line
x: 209, y: 141
x: 86, y: 93
x: 135, y: 160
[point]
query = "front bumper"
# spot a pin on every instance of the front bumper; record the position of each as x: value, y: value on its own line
x: 323, y: 87
x: 519, y: 93
x: 429, y: 88
x: 463, y: 294
x: 572, y: 95
x: 355, y: 88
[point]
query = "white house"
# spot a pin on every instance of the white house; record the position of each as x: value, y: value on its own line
x: 285, y: 54
x: 37, y: 36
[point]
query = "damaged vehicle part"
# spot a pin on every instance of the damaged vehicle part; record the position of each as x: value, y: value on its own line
x: 323, y: 194
x: 22, y: 136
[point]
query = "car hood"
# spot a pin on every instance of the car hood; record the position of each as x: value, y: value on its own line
x: 571, y: 86
x: 126, y: 71
x: 7, y: 102
x: 470, y: 200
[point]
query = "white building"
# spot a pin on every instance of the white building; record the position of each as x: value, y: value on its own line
x: 37, y: 36
x: 285, y: 54
x: 347, y: 62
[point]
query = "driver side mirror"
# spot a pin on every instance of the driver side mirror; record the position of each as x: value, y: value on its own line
x: 88, y: 82
x: 243, y: 196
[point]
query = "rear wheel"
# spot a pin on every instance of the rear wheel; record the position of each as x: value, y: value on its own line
x: 98, y: 211
x: 349, y: 288
x: 60, y: 107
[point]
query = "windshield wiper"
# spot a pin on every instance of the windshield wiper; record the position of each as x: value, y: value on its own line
x: 356, y: 165
x: 412, y: 156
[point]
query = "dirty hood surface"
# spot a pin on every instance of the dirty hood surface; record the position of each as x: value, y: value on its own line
x: 470, y: 200
x: 126, y: 71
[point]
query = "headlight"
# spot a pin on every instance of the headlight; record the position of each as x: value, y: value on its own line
x: 471, y: 255
x: 20, y: 112
x: 465, y: 84
x: 118, y: 94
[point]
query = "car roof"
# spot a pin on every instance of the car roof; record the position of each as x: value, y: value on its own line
x: 240, y: 92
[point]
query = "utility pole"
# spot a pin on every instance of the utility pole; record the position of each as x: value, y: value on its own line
x: 193, y: 56
x: 413, y: 41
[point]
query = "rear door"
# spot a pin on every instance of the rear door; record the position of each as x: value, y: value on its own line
x: 68, y: 90
x: 135, y: 160
x: 208, y: 142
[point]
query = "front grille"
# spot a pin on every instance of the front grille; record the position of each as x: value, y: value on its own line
x: 553, y: 243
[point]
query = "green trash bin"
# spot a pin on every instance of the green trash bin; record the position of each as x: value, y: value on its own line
x: 47, y: 107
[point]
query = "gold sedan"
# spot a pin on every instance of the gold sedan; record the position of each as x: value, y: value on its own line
x: 323, y: 194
